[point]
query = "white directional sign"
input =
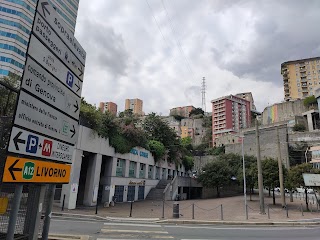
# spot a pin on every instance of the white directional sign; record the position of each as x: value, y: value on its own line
x: 40, y: 83
x: 28, y: 143
x: 36, y: 115
x: 52, y: 18
x: 46, y: 34
x: 46, y: 119
x: 53, y: 65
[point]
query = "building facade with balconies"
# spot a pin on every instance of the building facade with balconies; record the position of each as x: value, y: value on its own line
x: 300, y: 78
x: 229, y: 115
x: 108, y: 107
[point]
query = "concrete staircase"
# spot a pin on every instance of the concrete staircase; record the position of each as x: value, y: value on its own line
x: 157, y: 192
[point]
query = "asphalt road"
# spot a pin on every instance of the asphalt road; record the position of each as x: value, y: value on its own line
x: 109, y: 230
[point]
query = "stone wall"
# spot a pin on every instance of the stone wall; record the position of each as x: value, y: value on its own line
x: 268, y: 143
x: 282, y: 112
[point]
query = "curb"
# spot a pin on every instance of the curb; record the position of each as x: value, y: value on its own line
x: 78, y: 216
x: 132, y: 219
x: 178, y: 221
x: 56, y: 236
x: 238, y: 223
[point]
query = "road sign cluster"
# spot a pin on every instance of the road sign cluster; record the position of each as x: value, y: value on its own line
x: 47, y: 113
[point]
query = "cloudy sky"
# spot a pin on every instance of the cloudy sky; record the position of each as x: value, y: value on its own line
x: 159, y: 50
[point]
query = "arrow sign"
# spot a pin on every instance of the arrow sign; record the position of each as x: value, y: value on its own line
x: 77, y: 85
x: 73, y: 131
x: 44, y: 8
x: 12, y: 169
x: 61, y: 28
x: 76, y: 106
x: 17, y: 140
x: 80, y: 70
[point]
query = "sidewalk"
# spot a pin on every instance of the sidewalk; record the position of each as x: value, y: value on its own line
x: 205, y: 210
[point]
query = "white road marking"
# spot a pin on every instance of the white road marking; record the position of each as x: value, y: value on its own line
x: 242, y: 228
x: 103, y: 230
x: 132, y: 224
x: 63, y: 220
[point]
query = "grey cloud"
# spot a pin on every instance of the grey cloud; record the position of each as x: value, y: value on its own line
x: 279, y: 37
x: 105, y: 48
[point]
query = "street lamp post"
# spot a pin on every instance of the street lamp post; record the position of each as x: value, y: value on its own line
x: 244, y: 179
x: 244, y: 175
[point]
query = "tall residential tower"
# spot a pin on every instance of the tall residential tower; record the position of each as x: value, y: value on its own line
x: 229, y: 115
x: 300, y: 78
x: 135, y: 105
x: 16, y: 18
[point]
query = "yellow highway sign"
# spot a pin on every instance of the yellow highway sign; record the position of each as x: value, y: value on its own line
x: 23, y: 170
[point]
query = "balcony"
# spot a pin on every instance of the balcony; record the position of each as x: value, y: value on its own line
x: 305, y: 90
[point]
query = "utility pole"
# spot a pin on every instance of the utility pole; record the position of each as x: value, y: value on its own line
x: 203, y: 92
x: 260, y: 178
x: 283, y: 200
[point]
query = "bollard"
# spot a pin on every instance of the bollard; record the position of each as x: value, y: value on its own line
x: 131, y: 208
x: 287, y: 211
x: 300, y: 195
x: 268, y: 211
x: 163, y: 209
x: 221, y: 213
x: 192, y: 210
x: 97, y: 207
x: 312, y: 200
x: 64, y: 198
x: 301, y: 209
x: 247, y: 212
x: 310, y: 207
x: 175, y: 210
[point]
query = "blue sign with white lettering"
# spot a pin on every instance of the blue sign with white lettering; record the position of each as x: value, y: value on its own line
x: 32, y: 144
x: 69, y: 80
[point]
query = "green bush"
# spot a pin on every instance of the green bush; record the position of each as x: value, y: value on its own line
x: 299, y: 127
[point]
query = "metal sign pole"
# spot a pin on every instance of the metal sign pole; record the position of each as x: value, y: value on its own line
x: 14, y: 211
x: 46, y: 225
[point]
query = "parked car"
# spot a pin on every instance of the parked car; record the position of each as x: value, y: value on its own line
x: 302, y: 190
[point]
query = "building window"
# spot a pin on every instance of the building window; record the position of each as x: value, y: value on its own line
x: 132, y: 169
x: 120, y: 168
x: 298, y: 84
x: 150, y: 172
x: 141, y: 173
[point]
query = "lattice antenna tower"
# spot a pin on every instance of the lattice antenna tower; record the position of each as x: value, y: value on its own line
x: 203, y: 93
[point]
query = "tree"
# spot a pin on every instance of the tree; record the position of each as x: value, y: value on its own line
x: 216, y: 150
x: 156, y: 129
x: 310, y: 101
x: 295, y: 178
x: 270, y: 173
x: 298, y: 127
x: 215, y: 175
x: 9, y: 87
x: 196, y: 111
x: 186, y: 142
x: 188, y: 162
x: 157, y: 149
x: 90, y: 116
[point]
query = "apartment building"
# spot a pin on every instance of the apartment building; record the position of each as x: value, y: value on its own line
x: 247, y: 96
x: 16, y: 19
x: 108, y: 107
x: 181, y: 111
x: 300, y: 78
x: 229, y: 115
x: 135, y: 105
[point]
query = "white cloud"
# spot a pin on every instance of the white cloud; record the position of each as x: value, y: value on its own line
x: 237, y: 45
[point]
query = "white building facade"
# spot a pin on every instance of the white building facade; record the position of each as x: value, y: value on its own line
x: 99, y: 172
